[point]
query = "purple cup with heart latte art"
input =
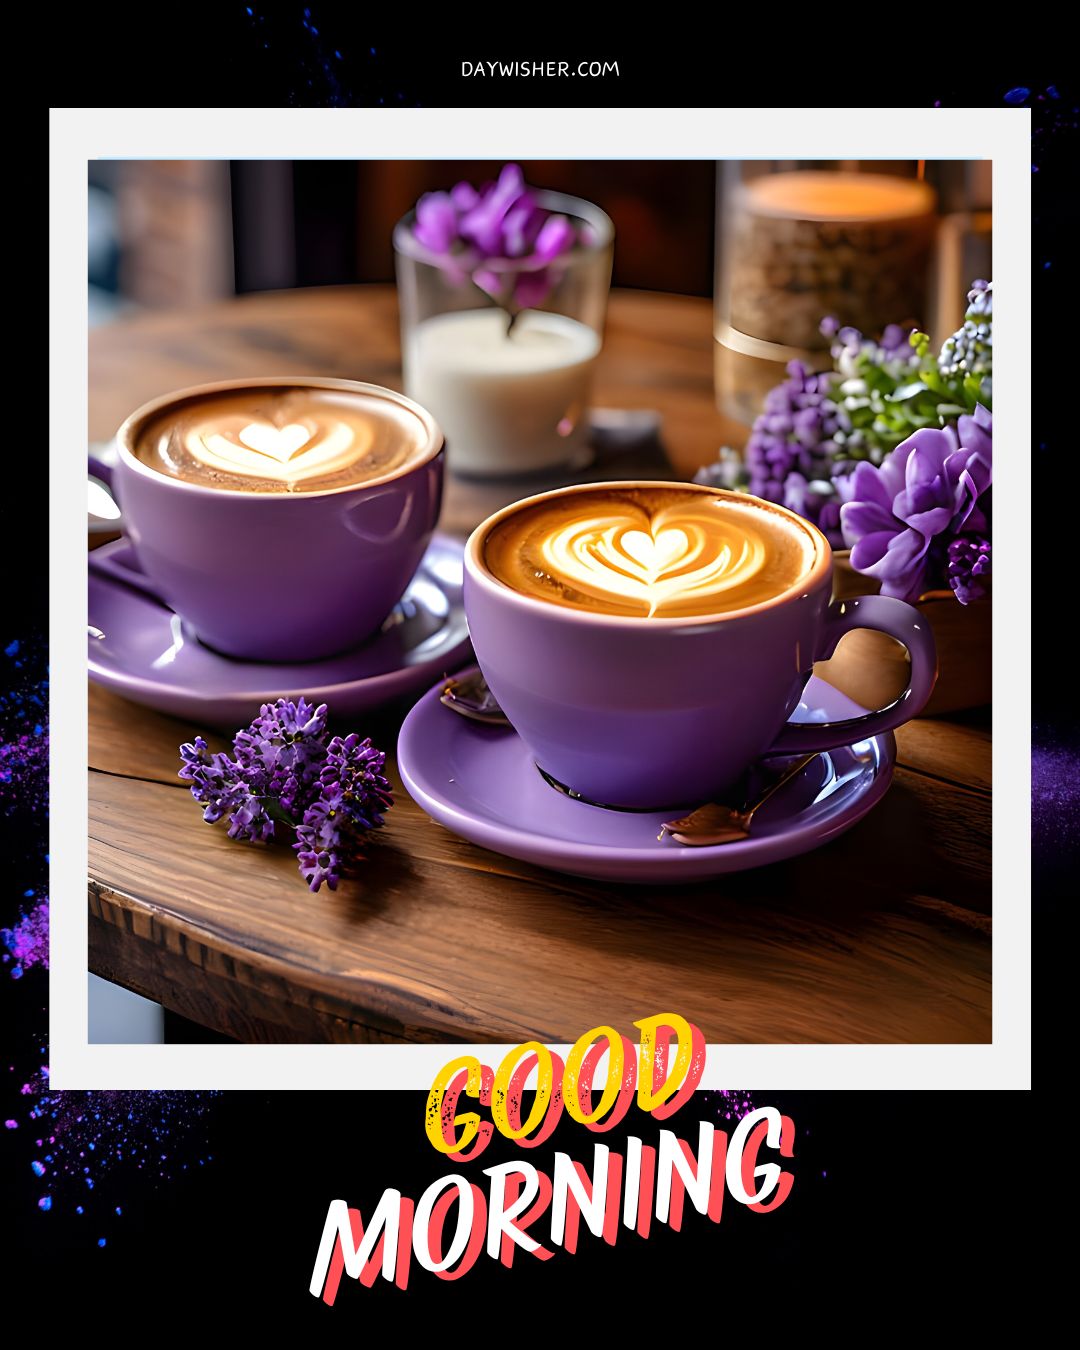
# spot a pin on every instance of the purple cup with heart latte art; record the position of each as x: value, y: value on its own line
x: 657, y: 637
x: 281, y: 518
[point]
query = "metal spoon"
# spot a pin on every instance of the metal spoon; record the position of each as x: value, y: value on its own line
x: 473, y: 699
x: 715, y: 823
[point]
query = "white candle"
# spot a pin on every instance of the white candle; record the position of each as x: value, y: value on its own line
x: 507, y: 403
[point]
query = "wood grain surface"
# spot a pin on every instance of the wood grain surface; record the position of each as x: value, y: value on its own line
x: 881, y: 936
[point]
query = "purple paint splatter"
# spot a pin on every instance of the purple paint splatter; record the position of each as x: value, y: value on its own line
x: 730, y: 1105
x: 24, y: 733
x: 78, y: 1140
x: 27, y: 941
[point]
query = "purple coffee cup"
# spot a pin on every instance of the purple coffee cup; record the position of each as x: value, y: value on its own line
x: 664, y: 712
x: 279, y: 576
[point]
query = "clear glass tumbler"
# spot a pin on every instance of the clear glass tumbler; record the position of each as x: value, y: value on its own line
x: 511, y: 398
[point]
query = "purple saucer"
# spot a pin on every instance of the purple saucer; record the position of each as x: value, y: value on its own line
x: 148, y: 655
x: 481, y: 782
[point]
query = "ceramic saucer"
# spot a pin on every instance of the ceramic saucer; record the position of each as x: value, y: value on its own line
x: 480, y: 781
x: 147, y: 654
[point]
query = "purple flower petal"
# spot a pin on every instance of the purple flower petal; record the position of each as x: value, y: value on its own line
x: 868, y: 551
x: 859, y: 518
x: 902, y: 568
x: 464, y: 196
x: 483, y: 224
x: 976, y: 433
x: 436, y: 221
x: 490, y: 281
x: 927, y: 453
x: 520, y: 228
x: 557, y: 235
x: 871, y: 485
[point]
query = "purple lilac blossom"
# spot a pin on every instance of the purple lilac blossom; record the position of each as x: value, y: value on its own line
x: 968, y: 567
x: 903, y: 515
x: 286, y: 781
x: 819, y: 501
x: 353, y: 797
x: 792, y: 454
x: 794, y: 433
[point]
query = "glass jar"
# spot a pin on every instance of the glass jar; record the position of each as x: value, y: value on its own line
x: 797, y: 242
x: 512, y: 398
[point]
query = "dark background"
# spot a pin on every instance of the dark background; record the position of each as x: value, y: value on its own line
x: 928, y: 1218
x: 897, y: 1199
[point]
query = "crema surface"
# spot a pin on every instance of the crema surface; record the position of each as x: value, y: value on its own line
x: 284, y: 438
x: 662, y: 552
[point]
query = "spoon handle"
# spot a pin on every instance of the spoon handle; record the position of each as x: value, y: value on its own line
x: 789, y: 773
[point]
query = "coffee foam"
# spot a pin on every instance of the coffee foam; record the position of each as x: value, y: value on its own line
x: 281, y: 438
x: 663, y: 552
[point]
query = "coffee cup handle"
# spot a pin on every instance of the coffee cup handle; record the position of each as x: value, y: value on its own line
x: 885, y: 615
x: 101, y: 463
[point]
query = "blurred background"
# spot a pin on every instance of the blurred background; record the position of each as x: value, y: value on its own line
x: 166, y: 234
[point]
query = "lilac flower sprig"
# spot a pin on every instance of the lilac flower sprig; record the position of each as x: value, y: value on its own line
x: 793, y: 451
x: 499, y: 236
x: 287, y: 781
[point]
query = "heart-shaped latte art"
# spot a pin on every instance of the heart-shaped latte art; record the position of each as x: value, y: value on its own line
x: 655, y: 554
x: 288, y: 453
x: 279, y: 443
x: 646, y: 551
x: 679, y: 554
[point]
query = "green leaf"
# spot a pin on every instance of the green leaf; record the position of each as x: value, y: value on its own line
x: 974, y: 391
x: 906, y: 391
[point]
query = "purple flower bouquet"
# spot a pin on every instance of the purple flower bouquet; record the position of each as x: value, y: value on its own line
x: 498, y: 236
x: 888, y: 453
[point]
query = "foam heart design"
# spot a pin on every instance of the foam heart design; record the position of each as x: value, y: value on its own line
x: 613, y: 556
x: 287, y: 454
x: 655, y: 554
x: 280, y: 443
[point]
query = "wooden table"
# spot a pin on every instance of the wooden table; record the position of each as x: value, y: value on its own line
x: 881, y: 936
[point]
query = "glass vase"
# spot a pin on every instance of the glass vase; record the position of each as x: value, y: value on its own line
x: 511, y: 397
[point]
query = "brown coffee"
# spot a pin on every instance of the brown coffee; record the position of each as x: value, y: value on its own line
x: 282, y: 438
x: 664, y: 551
